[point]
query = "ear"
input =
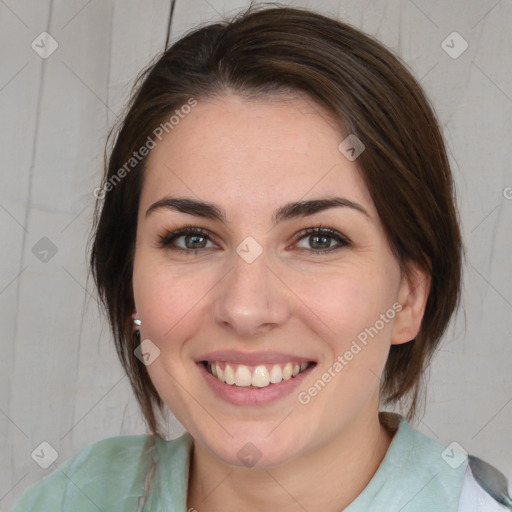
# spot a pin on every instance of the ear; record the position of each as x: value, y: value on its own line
x: 412, y: 296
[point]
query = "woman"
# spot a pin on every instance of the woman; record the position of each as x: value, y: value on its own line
x: 277, y: 248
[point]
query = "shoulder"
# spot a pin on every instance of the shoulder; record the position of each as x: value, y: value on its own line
x: 84, y: 481
x: 485, y: 489
x: 442, y: 477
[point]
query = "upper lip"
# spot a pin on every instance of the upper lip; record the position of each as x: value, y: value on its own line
x: 252, y: 358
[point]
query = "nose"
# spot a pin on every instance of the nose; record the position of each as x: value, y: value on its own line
x: 251, y: 298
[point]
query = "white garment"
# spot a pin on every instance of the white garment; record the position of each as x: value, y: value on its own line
x: 474, y: 499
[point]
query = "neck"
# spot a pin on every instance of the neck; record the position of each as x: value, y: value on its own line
x: 328, y: 478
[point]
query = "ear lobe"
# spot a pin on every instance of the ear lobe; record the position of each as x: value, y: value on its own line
x: 412, y: 296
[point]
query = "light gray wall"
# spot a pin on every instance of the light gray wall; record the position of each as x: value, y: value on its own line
x: 61, y: 382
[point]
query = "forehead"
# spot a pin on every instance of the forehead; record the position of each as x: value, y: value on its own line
x: 261, y: 152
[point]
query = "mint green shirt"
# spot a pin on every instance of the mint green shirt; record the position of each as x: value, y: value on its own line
x: 416, y: 474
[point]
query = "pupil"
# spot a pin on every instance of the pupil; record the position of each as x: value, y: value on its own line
x: 316, y: 237
x: 194, y: 238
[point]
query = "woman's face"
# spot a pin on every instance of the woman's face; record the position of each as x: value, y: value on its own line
x: 259, y: 289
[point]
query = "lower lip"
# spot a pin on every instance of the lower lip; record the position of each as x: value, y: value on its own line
x: 252, y: 395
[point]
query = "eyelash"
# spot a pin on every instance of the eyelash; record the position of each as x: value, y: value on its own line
x: 166, y: 238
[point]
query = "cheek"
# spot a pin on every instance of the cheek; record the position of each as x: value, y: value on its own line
x: 346, y: 302
x: 167, y: 300
x: 354, y: 316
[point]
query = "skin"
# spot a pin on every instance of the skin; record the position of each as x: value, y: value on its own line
x: 249, y: 158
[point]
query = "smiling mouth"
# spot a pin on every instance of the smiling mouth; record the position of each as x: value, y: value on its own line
x: 261, y: 376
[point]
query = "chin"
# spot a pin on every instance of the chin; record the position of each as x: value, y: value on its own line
x: 262, y: 450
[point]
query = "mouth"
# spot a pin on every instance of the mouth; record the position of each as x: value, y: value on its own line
x: 260, y: 376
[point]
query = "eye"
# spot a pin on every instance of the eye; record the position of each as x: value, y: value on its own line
x: 193, y: 239
x: 320, y: 239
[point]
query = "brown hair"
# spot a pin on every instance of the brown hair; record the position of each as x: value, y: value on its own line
x: 265, y: 51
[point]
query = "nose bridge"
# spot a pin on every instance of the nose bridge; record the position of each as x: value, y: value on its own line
x: 251, y: 297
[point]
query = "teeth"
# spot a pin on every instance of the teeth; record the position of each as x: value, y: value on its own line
x: 276, y: 374
x: 287, y: 371
x: 260, y: 377
x: 218, y: 371
x: 242, y: 376
x: 229, y: 375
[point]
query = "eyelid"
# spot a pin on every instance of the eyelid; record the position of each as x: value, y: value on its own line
x: 322, y: 230
x: 165, y: 238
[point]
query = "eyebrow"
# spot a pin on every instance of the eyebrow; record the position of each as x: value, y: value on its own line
x: 286, y: 212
